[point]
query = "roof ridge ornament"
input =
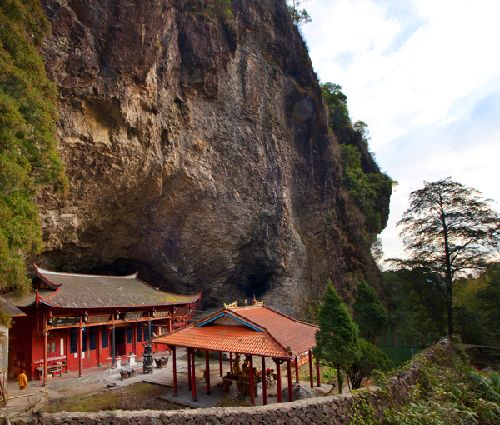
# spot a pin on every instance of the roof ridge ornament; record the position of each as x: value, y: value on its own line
x: 256, y: 303
x: 232, y: 305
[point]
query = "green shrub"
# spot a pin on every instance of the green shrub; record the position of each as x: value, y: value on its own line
x: 370, y: 358
x: 448, y: 391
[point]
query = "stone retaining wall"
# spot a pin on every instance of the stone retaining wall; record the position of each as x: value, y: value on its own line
x: 319, y: 410
x: 327, y: 410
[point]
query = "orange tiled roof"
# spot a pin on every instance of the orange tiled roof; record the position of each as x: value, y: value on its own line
x: 235, y: 339
x: 299, y: 336
x: 263, y: 331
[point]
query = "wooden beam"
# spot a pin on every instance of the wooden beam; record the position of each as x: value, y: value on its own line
x: 297, y: 370
x: 220, y: 362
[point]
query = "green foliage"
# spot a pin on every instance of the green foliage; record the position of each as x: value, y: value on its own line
x: 337, y: 337
x: 416, y: 304
x: 299, y: 17
x: 418, y: 309
x: 28, y: 154
x: 338, y: 115
x: 362, y: 411
x: 219, y: 7
x: 368, y: 189
x: 449, y: 229
x: 476, y: 307
x: 489, y: 296
x: 370, y: 358
x: 365, y: 188
x: 447, y: 391
x: 369, y: 313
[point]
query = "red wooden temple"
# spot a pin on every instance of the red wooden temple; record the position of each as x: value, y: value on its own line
x: 76, y: 321
x: 251, y: 331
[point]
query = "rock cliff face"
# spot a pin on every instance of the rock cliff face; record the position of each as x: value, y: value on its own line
x: 197, y: 149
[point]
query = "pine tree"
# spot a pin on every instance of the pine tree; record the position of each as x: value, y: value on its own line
x: 369, y: 314
x: 337, y: 337
x: 449, y: 229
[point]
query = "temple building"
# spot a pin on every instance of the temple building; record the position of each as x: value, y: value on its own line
x: 76, y: 321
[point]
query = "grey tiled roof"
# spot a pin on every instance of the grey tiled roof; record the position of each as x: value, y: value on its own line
x: 10, y: 308
x: 88, y: 291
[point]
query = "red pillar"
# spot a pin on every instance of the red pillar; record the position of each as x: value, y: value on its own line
x: 99, y: 344
x: 220, y: 362
x: 264, y: 382
x: 189, y: 367
x: 278, y: 389
x: 80, y: 362
x: 134, y: 340
x: 193, y: 376
x: 317, y: 372
x: 68, y: 348
x: 297, y: 370
x: 252, y: 383
x: 231, y: 362
x: 174, y: 369
x: 311, y: 368
x: 207, y: 362
x: 44, y: 358
x: 289, y: 378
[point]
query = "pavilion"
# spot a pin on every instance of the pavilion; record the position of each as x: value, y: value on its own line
x: 255, y: 330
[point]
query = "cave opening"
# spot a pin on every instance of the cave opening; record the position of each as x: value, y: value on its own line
x: 258, y: 283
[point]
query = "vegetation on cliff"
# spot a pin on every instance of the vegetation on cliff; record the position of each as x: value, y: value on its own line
x: 221, y: 7
x: 28, y: 154
x: 369, y: 188
x: 299, y: 17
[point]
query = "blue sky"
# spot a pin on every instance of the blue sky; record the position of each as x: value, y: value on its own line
x: 425, y: 76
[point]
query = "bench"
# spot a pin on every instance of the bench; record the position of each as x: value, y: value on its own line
x: 52, y: 369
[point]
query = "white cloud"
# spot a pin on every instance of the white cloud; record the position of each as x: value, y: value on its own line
x: 425, y: 76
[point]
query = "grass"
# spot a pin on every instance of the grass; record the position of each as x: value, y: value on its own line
x: 328, y: 375
x: 138, y: 396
